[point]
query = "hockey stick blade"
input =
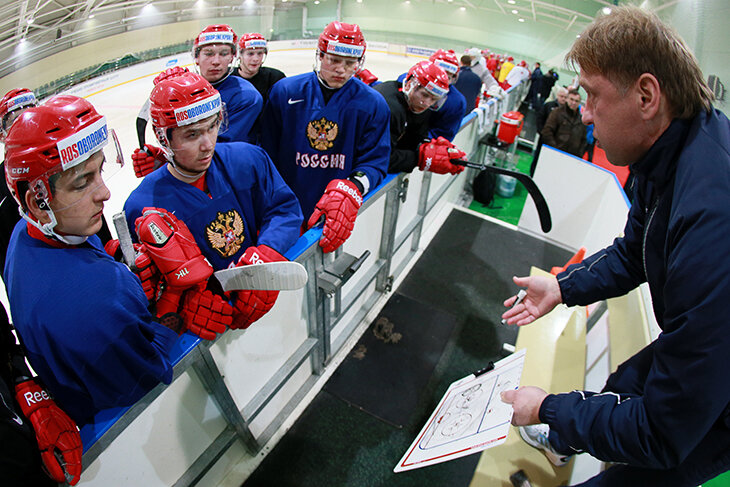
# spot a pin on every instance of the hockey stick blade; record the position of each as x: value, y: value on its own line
x: 543, y: 211
x: 125, y: 239
x: 271, y: 276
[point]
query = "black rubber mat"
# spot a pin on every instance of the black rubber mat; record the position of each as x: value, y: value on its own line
x: 386, y: 372
x: 336, y: 445
x: 461, y: 278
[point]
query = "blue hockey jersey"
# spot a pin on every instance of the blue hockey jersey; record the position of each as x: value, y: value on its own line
x: 249, y: 204
x: 83, y: 320
x: 243, y: 105
x: 446, y: 121
x: 312, y: 143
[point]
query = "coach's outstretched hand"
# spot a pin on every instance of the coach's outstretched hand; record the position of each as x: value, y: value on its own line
x: 543, y: 294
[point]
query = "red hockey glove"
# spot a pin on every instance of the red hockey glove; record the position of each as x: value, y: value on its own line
x: 57, y: 435
x: 436, y: 156
x: 169, y: 73
x: 144, y: 267
x: 147, y: 160
x: 147, y: 272
x: 366, y: 76
x: 339, y: 205
x: 252, y: 305
x: 173, y: 249
x: 205, y: 313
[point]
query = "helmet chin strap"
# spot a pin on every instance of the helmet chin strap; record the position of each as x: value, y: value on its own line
x: 48, y: 228
x: 230, y: 70
x: 188, y: 177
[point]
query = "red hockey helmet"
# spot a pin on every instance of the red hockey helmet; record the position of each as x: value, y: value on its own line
x: 523, y: 63
x: 46, y: 140
x: 342, y: 39
x: 182, y: 100
x: 215, y: 34
x: 13, y: 100
x: 253, y: 40
x: 431, y: 77
x: 445, y: 60
x: 169, y: 73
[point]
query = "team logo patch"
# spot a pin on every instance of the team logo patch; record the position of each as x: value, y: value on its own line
x: 322, y: 133
x: 225, y: 233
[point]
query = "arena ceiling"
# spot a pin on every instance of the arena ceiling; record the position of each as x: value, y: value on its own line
x: 51, y: 25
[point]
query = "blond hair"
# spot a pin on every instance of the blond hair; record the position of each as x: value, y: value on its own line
x: 629, y: 42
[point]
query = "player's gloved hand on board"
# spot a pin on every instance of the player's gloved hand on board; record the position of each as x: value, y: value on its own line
x: 144, y: 267
x: 147, y: 160
x: 436, y: 156
x: 57, y: 435
x: 338, y: 205
x: 366, y: 76
x: 205, y: 313
x: 250, y: 305
x: 174, y: 251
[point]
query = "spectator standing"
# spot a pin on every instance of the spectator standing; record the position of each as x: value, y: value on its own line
x: 564, y: 128
x: 468, y: 83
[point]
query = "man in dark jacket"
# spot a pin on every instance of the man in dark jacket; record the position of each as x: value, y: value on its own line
x: 564, y: 129
x: 663, y: 417
x: 468, y: 83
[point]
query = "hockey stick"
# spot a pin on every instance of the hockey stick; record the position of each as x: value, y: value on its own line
x: 542, y: 208
x: 125, y: 239
x: 270, y: 276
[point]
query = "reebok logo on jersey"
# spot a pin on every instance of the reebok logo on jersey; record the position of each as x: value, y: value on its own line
x: 322, y: 133
x: 322, y: 161
x: 291, y: 102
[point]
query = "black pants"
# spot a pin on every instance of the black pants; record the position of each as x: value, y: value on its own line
x: 20, y: 461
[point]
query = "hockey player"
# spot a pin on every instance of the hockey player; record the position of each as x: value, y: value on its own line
x: 82, y: 316
x: 236, y: 205
x: 252, y: 51
x: 425, y: 85
x: 214, y: 51
x: 449, y: 110
x: 14, y: 103
x: 11, y: 106
x: 446, y: 120
x: 327, y: 133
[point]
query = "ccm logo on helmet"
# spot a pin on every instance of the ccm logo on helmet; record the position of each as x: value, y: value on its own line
x: 349, y: 190
x: 19, y: 170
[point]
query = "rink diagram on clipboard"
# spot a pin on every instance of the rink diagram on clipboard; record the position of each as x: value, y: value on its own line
x: 470, y: 417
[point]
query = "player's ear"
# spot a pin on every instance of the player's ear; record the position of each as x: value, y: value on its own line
x: 34, y: 209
